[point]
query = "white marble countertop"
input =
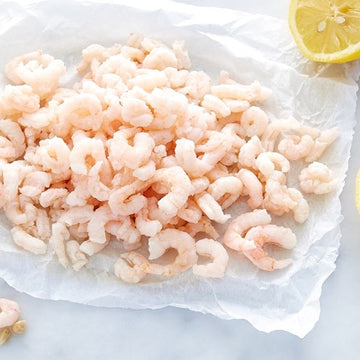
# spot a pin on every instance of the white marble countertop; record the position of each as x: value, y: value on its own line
x: 67, y: 331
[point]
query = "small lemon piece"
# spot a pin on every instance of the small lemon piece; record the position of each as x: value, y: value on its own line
x: 357, y: 191
x: 326, y: 30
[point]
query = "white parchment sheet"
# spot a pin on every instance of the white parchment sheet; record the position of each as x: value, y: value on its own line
x: 249, y: 47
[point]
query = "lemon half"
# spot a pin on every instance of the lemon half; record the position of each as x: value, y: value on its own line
x: 326, y: 30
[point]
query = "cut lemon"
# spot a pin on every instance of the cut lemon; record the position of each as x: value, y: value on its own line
x: 326, y: 30
x: 357, y: 191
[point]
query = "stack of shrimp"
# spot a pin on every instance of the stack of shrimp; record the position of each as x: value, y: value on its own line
x: 144, y: 151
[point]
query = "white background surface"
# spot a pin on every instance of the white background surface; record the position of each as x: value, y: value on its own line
x: 62, y: 330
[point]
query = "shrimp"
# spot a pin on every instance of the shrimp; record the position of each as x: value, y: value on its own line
x: 278, y: 194
x: 146, y: 171
x: 90, y: 248
x: 126, y: 231
x: 254, y: 121
x: 218, y: 254
x: 77, y: 215
x: 301, y: 209
x: 182, y: 242
x: 269, y: 163
x: 213, y: 103
x: 9, y: 312
x: 96, y: 187
x: 204, y: 225
x: 54, y: 197
x: 190, y: 212
x: 160, y: 58
x: 226, y: 190
x: 128, y: 267
x: 121, y: 153
x: 12, y: 140
x: 136, y: 112
x: 180, y: 189
x: 249, y: 152
x: 77, y: 257
x: 199, y: 185
x: 41, y: 71
x: 253, y: 187
x: 197, y: 85
x: 20, y: 98
x: 325, y: 139
x: 27, y: 241
x: 126, y: 201
x: 53, y: 154
x: 35, y: 183
x: 182, y: 56
x: 146, y: 226
x: 97, y: 222
x: 148, y: 79
x: 251, y: 93
x: 84, y: 154
x: 317, y: 178
x: 59, y: 235
x: 234, y: 236
x: 273, y: 234
x: 83, y: 111
x: 295, y: 147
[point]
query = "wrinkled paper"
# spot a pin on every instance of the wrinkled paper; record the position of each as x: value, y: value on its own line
x: 250, y: 47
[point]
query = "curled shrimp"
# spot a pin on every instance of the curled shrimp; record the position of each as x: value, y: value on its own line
x: 182, y: 242
x: 190, y: 212
x: 35, y: 183
x: 270, y: 162
x: 250, y: 151
x: 77, y: 257
x: 204, y: 225
x: 12, y: 140
x: 85, y: 153
x: 295, y: 147
x: 180, y: 188
x: 27, y: 241
x: 9, y: 312
x: 317, y: 178
x: 252, y: 187
x: 211, y: 208
x: 136, y: 112
x: 96, y: 187
x: 59, y: 235
x: 128, y: 267
x: 226, y: 190
x: 269, y: 234
x: 322, y: 142
x: 40, y: 71
x: 160, y: 58
x: 121, y: 153
x: 218, y: 254
x: 213, y: 103
x: 254, y: 121
x: 20, y: 98
x: 145, y: 225
x: 234, y: 236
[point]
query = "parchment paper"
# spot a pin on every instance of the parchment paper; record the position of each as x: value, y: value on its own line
x: 249, y: 47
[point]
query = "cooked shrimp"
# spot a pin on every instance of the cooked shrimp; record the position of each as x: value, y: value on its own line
x: 270, y: 162
x: 213, y: 103
x: 254, y: 121
x: 146, y: 171
x: 83, y: 111
x: 252, y: 187
x: 126, y: 200
x: 35, y: 183
x: 146, y: 226
x: 269, y: 234
x: 97, y: 222
x: 182, y: 242
x: 325, y: 139
x: 226, y: 190
x: 9, y: 312
x: 317, y: 178
x: 180, y: 188
x: 199, y: 185
x: 121, y: 153
x: 211, y: 208
x: 77, y: 215
x: 204, y: 225
x: 128, y: 267
x: 135, y: 112
x: 27, y: 241
x: 218, y: 254
x: 20, y: 98
x: 160, y: 58
x: 197, y: 85
x: 182, y: 56
x: 234, y: 236
x: 190, y: 212
x: 126, y: 231
x: 53, y: 154
x: 59, y: 235
x: 148, y: 80
x: 77, y: 257
x: 96, y: 187
x: 91, y: 248
x: 52, y: 197
x: 250, y: 151
x: 84, y: 154
x: 40, y: 71
x: 301, y: 209
x: 295, y: 147
x: 12, y: 140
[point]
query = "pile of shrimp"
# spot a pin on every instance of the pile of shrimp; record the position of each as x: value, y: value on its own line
x: 9, y: 323
x: 148, y: 153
